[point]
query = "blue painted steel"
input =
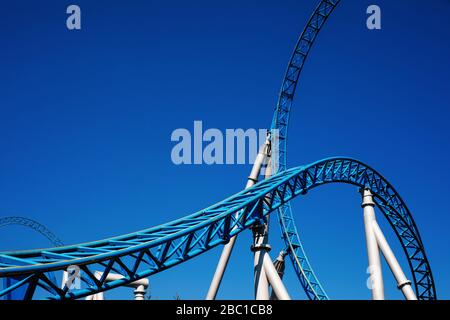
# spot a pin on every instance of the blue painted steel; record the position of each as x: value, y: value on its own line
x: 144, y: 253
x: 280, y: 122
x: 19, y: 293
x: 20, y: 288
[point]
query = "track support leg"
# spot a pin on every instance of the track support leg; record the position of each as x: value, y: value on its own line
x: 402, y: 282
x: 228, y: 248
x: 279, y: 265
x: 275, y: 280
x: 260, y: 249
x: 376, y: 276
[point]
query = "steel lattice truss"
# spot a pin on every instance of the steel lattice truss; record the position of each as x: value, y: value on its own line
x: 30, y: 223
x: 36, y: 226
x: 144, y: 253
x: 280, y: 122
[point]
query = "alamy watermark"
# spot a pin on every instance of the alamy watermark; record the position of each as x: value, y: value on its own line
x: 73, y: 21
x: 374, y: 273
x: 72, y: 278
x: 373, y: 21
x: 217, y: 147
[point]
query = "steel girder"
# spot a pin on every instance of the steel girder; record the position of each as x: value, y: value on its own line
x: 280, y: 122
x: 144, y: 253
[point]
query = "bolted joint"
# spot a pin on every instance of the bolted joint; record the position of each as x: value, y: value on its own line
x: 282, y: 254
x: 260, y: 227
x: 367, y: 198
x: 226, y: 238
x: 260, y: 247
x: 252, y: 179
x: 267, y: 149
x: 405, y: 283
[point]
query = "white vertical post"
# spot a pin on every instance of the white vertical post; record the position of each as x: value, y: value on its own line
x: 275, y: 280
x: 402, y: 282
x: 376, y: 276
x: 220, y: 269
x: 279, y: 265
x: 99, y: 296
x: 228, y: 248
x: 96, y: 296
x: 259, y: 248
x: 139, y: 292
x: 265, y: 272
x: 140, y: 286
x: 65, y: 278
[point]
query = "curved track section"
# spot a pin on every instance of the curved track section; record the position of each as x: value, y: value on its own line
x: 153, y: 250
x: 30, y: 223
x: 38, y: 227
x: 280, y: 122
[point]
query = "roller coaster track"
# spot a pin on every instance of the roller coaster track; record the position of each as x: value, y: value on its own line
x: 147, y: 252
x: 32, y: 224
x: 280, y: 122
x: 153, y: 250
x: 39, y: 228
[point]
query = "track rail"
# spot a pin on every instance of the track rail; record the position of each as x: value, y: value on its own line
x: 280, y: 122
x: 144, y: 253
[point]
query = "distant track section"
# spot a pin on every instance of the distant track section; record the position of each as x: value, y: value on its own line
x: 32, y: 224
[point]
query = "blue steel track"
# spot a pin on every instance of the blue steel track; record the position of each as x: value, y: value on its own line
x: 147, y: 252
x: 39, y: 228
x: 153, y: 250
x: 280, y: 123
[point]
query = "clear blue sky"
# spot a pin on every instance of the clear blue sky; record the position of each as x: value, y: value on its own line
x: 86, y: 118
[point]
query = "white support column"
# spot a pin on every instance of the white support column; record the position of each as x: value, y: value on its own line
x: 228, y: 248
x: 373, y: 252
x: 220, y: 269
x: 260, y: 249
x: 65, y: 278
x: 100, y: 296
x: 280, y: 266
x: 140, y: 286
x: 96, y: 296
x: 139, y: 292
x: 402, y: 282
x: 275, y: 280
x: 265, y: 272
